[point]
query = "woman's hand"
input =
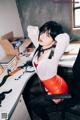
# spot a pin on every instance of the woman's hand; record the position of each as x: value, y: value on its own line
x: 57, y: 100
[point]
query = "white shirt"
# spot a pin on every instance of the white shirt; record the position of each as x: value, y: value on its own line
x: 47, y: 68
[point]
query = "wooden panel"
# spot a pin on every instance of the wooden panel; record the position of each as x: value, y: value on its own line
x: 8, y: 36
x: 7, y: 47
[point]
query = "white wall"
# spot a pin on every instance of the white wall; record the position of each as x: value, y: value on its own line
x: 9, y: 18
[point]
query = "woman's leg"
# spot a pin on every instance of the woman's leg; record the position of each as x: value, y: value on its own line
x: 38, y: 106
x: 31, y: 92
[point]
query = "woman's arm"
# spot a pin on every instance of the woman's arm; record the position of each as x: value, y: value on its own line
x: 62, y: 43
x: 33, y: 32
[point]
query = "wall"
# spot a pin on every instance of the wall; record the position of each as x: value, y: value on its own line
x: 36, y: 12
x: 9, y: 18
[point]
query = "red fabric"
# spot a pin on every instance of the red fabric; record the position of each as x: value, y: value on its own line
x: 56, y: 85
x: 35, y: 64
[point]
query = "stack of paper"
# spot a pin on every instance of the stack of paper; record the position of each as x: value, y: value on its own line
x: 8, y: 62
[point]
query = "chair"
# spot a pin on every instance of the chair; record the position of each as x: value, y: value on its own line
x: 76, y: 81
x: 71, y: 104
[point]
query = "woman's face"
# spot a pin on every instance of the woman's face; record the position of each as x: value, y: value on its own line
x: 45, y: 39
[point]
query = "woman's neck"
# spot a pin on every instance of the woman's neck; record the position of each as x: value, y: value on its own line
x: 45, y: 47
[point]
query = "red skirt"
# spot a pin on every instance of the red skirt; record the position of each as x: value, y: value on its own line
x: 56, y: 85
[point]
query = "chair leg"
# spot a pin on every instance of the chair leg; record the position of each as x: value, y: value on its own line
x: 63, y: 115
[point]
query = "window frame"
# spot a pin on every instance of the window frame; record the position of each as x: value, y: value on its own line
x: 73, y: 13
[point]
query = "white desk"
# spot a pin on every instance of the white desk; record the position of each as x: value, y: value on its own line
x: 70, y: 55
x: 17, y: 86
x: 71, y: 52
x: 67, y: 61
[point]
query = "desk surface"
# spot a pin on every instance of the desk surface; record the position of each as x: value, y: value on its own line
x: 17, y: 86
x: 70, y: 55
x: 67, y: 60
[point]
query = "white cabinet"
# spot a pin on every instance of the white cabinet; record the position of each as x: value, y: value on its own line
x: 20, y: 112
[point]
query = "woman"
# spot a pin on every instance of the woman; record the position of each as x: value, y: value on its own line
x: 52, y: 44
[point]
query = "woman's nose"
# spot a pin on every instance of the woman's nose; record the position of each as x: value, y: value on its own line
x: 42, y: 37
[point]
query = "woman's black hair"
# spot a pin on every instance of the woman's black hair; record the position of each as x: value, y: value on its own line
x: 53, y: 28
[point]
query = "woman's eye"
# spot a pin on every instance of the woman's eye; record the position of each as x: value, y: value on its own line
x: 48, y: 35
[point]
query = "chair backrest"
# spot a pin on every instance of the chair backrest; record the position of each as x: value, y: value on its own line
x: 76, y: 67
x: 76, y: 76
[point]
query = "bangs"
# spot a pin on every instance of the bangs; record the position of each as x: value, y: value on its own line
x: 52, y: 28
x: 43, y: 30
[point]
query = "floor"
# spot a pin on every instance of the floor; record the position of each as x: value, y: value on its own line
x: 56, y: 116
